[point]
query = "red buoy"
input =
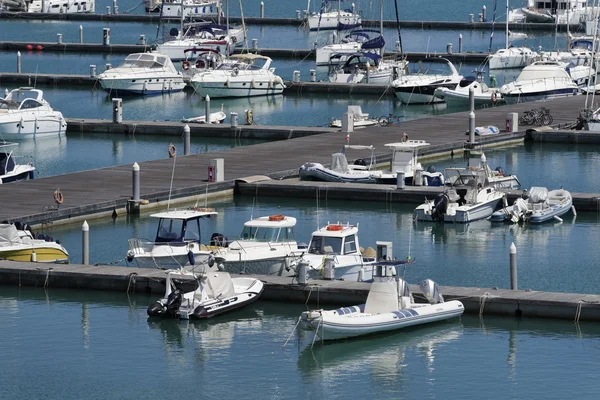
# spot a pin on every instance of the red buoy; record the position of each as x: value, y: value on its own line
x: 39, y: 47
x: 29, y: 47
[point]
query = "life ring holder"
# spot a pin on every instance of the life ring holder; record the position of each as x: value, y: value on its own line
x: 276, y: 217
x: 185, y: 65
x: 58, y: 197
x: 334, y: 228
x: 172, y: 150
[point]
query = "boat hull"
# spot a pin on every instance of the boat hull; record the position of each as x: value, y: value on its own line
x: 331, y: 20
x: 18, y: 126
x: 43, y: 254
x: 236, y: 89
x: 514, y: 98
x: 335, y: 327
x: 173, y: 261
x: 463, y: 214
x: 274, y: 266
x: 143, y: 86
x: 317, y: 172
x: 420, y: 94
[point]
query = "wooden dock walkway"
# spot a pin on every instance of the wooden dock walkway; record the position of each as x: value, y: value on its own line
x: 108, y: 189
x: 483, y: 301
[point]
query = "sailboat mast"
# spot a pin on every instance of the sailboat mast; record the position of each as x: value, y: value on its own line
x: 506, y: 38
x: 398, y: 27
x: 381, y: 17
x: 181, y: 21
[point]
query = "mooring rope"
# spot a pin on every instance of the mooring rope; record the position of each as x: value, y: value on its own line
x: 131, y: 280
x: 294, y: 330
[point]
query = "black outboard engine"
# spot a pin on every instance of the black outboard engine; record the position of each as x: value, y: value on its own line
x: 218, y: 239
x: 431, y: 169
x: 360, y: 161
x: 440, y: 205
x: 156, y: 309
x: 174, y: 301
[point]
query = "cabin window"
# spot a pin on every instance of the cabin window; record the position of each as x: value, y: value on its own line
x: 325, y: 245
x: 169, y: 230
x: 30, y: 103
x: 349, y: 244
x: 260, y: 234
x: 192, y: 231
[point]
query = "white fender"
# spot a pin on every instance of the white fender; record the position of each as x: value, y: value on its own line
x: 253, y: 84
x: 227, y: 82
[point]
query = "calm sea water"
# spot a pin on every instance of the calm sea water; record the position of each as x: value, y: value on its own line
x: 102, y: 345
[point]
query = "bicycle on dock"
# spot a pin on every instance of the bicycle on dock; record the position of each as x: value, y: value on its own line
x: 389, y: 119
x: 540, y: 116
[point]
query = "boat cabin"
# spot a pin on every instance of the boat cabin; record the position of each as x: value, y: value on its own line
x: 181, y: 226
x: 352, y: 63
x: 147, y: 60
x: 22, y: 98
x: 335, y: 239
x: 470, y: 176
x: 404, y: 155
x: 274, y: 229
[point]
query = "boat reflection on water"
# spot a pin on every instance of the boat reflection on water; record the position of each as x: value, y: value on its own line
x: 385, y: 355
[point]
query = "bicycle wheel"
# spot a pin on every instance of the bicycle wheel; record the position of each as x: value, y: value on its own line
x: 546, y: 119
x: 383, y: 121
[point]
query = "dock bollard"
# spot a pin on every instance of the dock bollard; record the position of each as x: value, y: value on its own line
x: 262, y: 9
x: 186, y: 140
x: 513, y: 266
x: 471, y: 127
x: 142, y: 40
x: 472, y: 18
x: 400, y: 184
x: 313, y: 75
x: 115, y: 7
x: 80, y: 33
x: 216, y: 170
x: 92, y: 71
x: 484, y: 13
x: 460, y: 42
x: 471, y: 99
x: 207, y: 109
x: 117, y: 110
x: 106, y: 36
x: 398, y: 46
x: 135, y: 183
x: 298, y: 14
x: 107, y: 10
x: 302, y: 273
x: 512, y: 122
x: 347, y: 122
x: 254, y: 44
x: 59, y: 38
x: 449, y: 48
x: 85, y: 243
x: 296, y: 78
x: 233, y: 117
x: 18, y: 62
x: 418, y: 179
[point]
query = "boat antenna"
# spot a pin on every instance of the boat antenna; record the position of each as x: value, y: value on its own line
x: 398, y: 28
x: 493, y: 24
x: 172, y: 176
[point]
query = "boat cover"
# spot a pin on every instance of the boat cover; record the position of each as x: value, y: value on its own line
x: 383, y: 298
x: 219, y: 285
x: 339, y: 163
x: 9, y: 236
x: 538, y: 194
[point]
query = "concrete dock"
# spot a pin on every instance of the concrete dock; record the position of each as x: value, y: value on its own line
x: 483, y: 301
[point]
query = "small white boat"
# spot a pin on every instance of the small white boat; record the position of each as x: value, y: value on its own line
x: 511, y: 57
x: 469, y: 198
x: 556, y: 11
x: 249, y: 75
x: 359, y: 119
x: 364, y: 67
x: 423, y: 78
x: 9, y: 170
x: 361, y: 171
x: 264, y: 247
x: 25, y: 114
x: 177, y: 244
x: 536, y: 206
x: 142, y: 73
x: 332, y: 16
x: 19, y: 243
x: 358, y: 40
x: 191, y: 8
x: 215, y: 118
x: 389, y: 306
x: 213, y: 293
x: 405, y: 159
x: 459, y: 96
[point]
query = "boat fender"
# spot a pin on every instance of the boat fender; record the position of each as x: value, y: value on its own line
x: 58, y: 197
x: 494, y: 98
x: 227, y: 83
x: 185, y: 65
x: 270, y: 84
x: 172, y: 150
x: 191, y: 257
x: 253, y: 84
x: 200, y: 312
x: 235, y: 72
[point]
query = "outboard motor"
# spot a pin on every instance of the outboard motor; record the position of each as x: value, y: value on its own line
x: 174, y: 301
x: 156, y: 309
x: 431, y: 291
x: 440, y: 205
x: 360, y: 161
x: 431, y: 169
x: 405, y: 297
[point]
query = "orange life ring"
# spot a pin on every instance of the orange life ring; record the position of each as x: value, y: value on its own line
x: 334, y: 227
x: 276, y: 217
x: 185, y: 65
x: 172, y: 150
x: 494, y: 97
x: 58, y: 197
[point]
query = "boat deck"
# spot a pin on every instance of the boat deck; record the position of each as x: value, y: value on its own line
x: 107, y: 189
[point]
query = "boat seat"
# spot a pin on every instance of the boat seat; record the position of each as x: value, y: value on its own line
x: 452, y: 195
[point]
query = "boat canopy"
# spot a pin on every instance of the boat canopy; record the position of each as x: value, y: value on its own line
x: 9, y: 235
x: 22, y: 93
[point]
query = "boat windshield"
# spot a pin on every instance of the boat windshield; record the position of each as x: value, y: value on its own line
x: 144, y: 61
x: 325, y: 245
x: 169, y: 230
x: 425, y: 67
x: 266, y: 234
x: 470, y: 176
x: 8, y: 105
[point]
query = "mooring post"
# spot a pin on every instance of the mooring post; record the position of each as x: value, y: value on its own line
x: 472, y: 99
x: 472, y: 127
x: 513, y: 266
x: 115, y: 7
x: 296, y: 78
x: 313, y: 75
x: 186, y: 140
x: 400, y: 184
x: 18, y: 62
x: 207, y: 109
x: 254, y: 44
x: 92, y: 71
x: 262, y: 9
x: 80, y: 33
x: 483, y: 13
x: 85, y: 243
x: 234, y: 119
x: 460, y: 42
x: 298, y: 14
x: 136, y: 181
x: 59, y: 38
x: 106, y: 35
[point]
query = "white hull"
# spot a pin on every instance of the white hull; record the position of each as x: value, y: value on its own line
x: 462, y: 214
x: 514, y: 57
x: 380, y: 78
x: 351, y: 321
x: 144, y: 85
x: 350, y: 273
x: 173, y: 260
x: 275, y: 266
x: 50, y: 124
x: 417, y: 98
x: 324, y: 53
x: 244, y: 85
x: 330, y: 20
x: 455, y: 98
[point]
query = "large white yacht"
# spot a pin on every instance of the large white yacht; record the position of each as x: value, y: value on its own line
x: 250, y: 75
x: 49, y: 6
x: 25, y: 114
x: 556, y: 11
x: 142, y: 73
x: 332, y: 16
x: 423, y: 78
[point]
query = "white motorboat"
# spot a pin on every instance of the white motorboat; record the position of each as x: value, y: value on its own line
x: 205, y: 60
x: 249, y: 75
x: 536, y: 206
x: 191, y: 8
x: 366, y: 40
x: 264, y: 247
x: 557, y: 11
x: 9, y: 170
x: 469, y: 197
x: 331, y: 16
x: 143, y: 74
x: 214, y: 118
x: 177, y: 244
x: 390, y: 306
x: 210, y: 294
x: 361, y: 171
x: 49, y: 6
x: 405, y: 160
x: 201, y: 36
x: 19, y: 243
x: 359, y: 119
x: 423, y: 78
x: 364, y: 67
x: 459, y: 96
x: 498, y: 178
x: 538, y: 81
x: 25, y: 114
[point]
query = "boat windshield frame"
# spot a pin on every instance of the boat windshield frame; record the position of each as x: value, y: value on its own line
x: 268, y: 234
x: 144, y: 60
x: 470, y: 176
x: 176, y: 231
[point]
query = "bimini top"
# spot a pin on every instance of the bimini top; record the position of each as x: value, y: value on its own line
x: 272, y: 221
x: 409, y: 145
x: 186, y: 214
